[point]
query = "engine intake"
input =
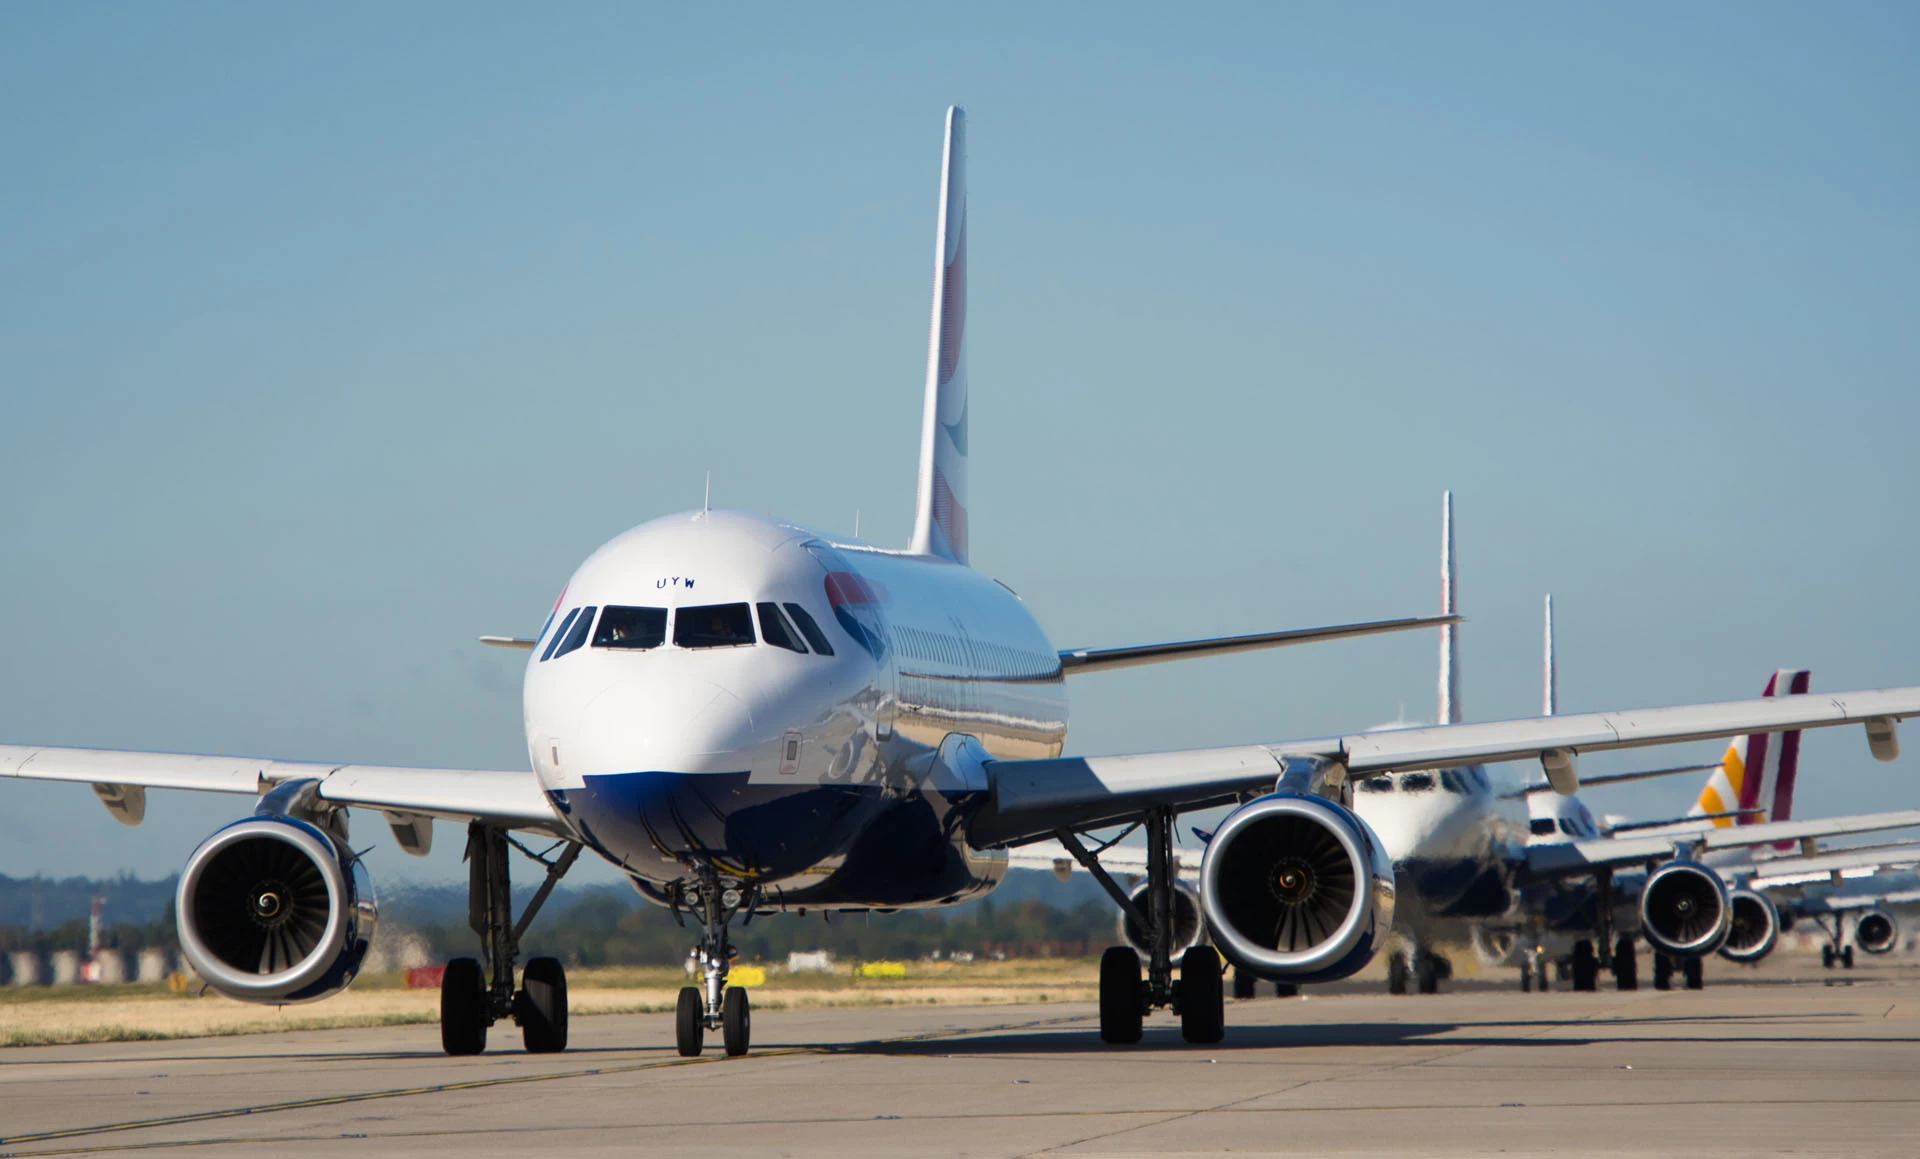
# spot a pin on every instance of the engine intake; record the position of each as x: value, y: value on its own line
x: 1754, y: 928
x: 1296, y: 888
x: 1684, y: 909
x: 272, y: 909
x: 1186, y: 921
x: 1876, y: 931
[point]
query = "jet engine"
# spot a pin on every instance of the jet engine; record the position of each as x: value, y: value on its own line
x: 1684, y: 909
x: 1754, y: 928
x: 275, y: 909
x: 1876, y: 932
x: 1186, y: 921
x: 1296, y: 889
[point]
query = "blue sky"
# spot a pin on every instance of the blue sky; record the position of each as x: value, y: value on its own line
x: 332, y: 339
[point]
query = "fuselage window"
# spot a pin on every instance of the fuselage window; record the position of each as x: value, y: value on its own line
x: 559, y: 635
x: 1541, y: 826
x: 713, y: 626
x: 1416, y: 782
x: 815, y: 637
x: 578, y: 636
x: 1377, y: 785
x: 622, y: 627
x: 774, y: 629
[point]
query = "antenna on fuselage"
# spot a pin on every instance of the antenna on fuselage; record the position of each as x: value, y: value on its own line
x: 856, y: 523
x: 706, y: 500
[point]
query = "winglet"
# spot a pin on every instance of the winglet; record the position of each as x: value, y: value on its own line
x: 940, y: 504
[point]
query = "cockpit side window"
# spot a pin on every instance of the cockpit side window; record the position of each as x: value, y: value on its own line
x: 560, y: 635
x: 713, y: 626
x: 774, y: 629
x: 1567, y: 826
x: 810, y: 630
x: 1453, y: 782
x: 1377, y: 785
x: 1416, y: 782
x: 1540, y: 826
x: 578, y: 636
x: 632, y: 628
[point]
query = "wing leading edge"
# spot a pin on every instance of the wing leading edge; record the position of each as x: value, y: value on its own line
x: 503, y: 797
x: 1030, y: 799
x: 1078, y: 660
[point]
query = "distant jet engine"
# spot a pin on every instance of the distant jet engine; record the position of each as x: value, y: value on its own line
x: 275, y: 909
x: 1754, y: 928
x: 1876, y: 931
x: 1186, y: 921
x: 1296, y: 889
x: 1684, y: 909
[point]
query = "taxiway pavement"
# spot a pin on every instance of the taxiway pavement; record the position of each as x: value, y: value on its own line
x: 1762, y: 1065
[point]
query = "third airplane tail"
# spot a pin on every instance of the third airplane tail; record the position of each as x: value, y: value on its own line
x: 1757, y: 772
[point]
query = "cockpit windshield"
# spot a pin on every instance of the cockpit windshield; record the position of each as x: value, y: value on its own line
x: 634, y: 628
x: 713, y: 626
x: 1416, y: 782
x: 1377, y: 785
x: 775, y: 630
x: 1540, y: 826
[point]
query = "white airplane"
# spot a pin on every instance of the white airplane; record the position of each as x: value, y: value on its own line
x: 749, y: 717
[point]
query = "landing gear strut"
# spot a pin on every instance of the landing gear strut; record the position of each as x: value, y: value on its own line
x: 1198, y: 996
x: 713, y: 1005
x: 469, y: 1002
x: 1833, y: 954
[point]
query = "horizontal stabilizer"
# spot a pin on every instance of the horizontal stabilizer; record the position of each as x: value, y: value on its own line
x: 1587, y: 782
x: 1103, y: 659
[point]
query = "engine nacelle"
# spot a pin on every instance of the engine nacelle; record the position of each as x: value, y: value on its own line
x: 1296, y: 889
x: 1684, y: 909
x: 1754, y: 929
x: 1186, y: 921
x: 273, y: 909
x: 1876, y: 931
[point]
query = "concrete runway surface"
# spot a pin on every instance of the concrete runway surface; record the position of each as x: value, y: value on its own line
x: 1829, y: 1064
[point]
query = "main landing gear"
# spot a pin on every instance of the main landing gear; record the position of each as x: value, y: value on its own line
x: 1692, y: 971
x: 1198, y: 996
x: 1833, y: 953
x: 713, y: 1005
x: 469, y: 1002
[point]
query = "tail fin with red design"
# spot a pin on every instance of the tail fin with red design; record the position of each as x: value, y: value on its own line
x: 940, y: 513
x: 1755, y: 777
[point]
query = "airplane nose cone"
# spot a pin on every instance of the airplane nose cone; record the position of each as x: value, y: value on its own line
x: 686, y: 726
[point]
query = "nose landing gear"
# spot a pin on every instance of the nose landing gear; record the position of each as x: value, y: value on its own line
x: 714, y: 1005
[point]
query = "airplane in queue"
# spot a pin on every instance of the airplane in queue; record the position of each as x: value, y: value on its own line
x: 1465, y: 853
x: 748, y: 717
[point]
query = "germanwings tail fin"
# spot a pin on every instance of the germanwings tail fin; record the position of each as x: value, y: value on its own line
x: 940, y: 512
x: 1755, y: 777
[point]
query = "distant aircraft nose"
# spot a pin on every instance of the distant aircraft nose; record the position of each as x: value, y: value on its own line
x: 660, y: 725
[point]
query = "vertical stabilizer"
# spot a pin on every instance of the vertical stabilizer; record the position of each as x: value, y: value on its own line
x: 940, y: 506
x: 1449, y: 659
x: 1758, y: 770
x: 1549, y: 681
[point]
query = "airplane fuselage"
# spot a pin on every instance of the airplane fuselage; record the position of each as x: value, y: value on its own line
x: 696, y: 714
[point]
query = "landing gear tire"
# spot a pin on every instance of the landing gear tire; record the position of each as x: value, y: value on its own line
x: 1397, y: 974
x: 1526, y: 977
x: 1428, y: 970
x: 1540, y: 974
x: 1662, y: 972
x: 690, y: 1022
x: 543, y: 1006
x: 1626, y: 965
x: 1826, y: 957
x: 1286, y: 990
x: 1586, y: 967
x: 463, y: 1008
x: 1203, y: 1016
x: 736, y: 1022
x: 1695, y: 970
x: 1245, y: 985
x: 1846, y: 957
x: 1120, y: 1014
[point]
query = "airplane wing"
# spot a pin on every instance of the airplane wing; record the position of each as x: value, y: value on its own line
x: 1781, y: 872
x: 1809, y: 906
x: 1574, y: 857
x: 1617, y: 778
x: 1028, y: 800
x: 511, y: 799
x: 1131, y: 859
x: 1101, y: 659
